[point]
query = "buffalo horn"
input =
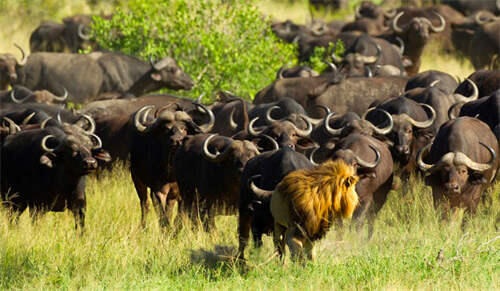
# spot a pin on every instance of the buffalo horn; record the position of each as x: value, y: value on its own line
x: 258, y: 191
x: 378, y: 130
x: 269, y: 111
x: 13, y: 127
x: 98, y: 141
x: 14, y: 99
x: 81, y: 34
x: 451, y: 111
x: 24, y: 58
x: 44, y: 143
x: 472, y: 97
x: 216, y: 158
x: 138, y: 121
x: 395, y: 25
x: 62, y: 98
x: 368, y: 165
x: 326, y: 124
x: 253, y: 131
x: 206, y: 127
x: 442, y: 26
x: 424, y: 124
x: 401, y: 45
x: 28, y: 118
x: 232, y: 123
x: 304, y: 132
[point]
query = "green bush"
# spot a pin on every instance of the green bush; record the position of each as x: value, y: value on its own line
x: 223, y: 45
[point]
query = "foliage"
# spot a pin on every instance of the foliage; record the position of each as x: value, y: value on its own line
x: 317, y: 60
x: 221, y: 44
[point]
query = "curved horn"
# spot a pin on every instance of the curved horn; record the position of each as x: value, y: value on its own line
x: 279, y: 74
x: 395, y: 25
x: 81, y: 34
x: 28, y: 118
x: 427, y: 123
x: 434, y: 83
x: 253, y: 131
x: 14, y: 99
x: 378, y: 130
x: 211, y: 118
x: 232, y: 123
x: 275, y: 144
x: 24, y: 58
x: 451, y: 111
x: 369, y: 73
x: 326, y: 124
x: 311, y: 156
x: 258, y: 191
x: 216, y: 158
x: 316, y: 121
x: 480, y: 167
x: 138, y: 121
x: 269, y: 112
x: 13, y: 127
x: 43, y: 144
x: 98, y: 140
x: 198, y: 100
x: 472, y: 97
x: 401, y: 45
x: 368, y: 165
x: 304, y: 132
x: 58, y: 117
x: 423, y: 166
x: 478, y: 19
x: 358, y: 12
x: 91, y: 122
x: 442, y: 26
x: 331, y: 65
x: 390, y: 13
x: 61, y: 98
x: 44, y: 123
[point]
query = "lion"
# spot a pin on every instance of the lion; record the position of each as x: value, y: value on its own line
x: 306, y: 201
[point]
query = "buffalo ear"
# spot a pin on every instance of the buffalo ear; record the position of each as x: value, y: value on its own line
x: 156, y: 76
x: 477, y: 179
x: 46, y: 160
x: 369, y: 175
x: 101, y: 155
x: 306, y: 143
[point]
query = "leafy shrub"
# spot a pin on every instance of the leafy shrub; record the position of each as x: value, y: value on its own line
x: 224, y: 45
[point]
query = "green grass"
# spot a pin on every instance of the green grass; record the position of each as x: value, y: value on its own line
x: 116, y: 253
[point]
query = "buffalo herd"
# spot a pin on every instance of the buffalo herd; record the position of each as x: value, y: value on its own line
x: 371, y: 109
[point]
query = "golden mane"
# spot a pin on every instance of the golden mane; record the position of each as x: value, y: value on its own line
x: 320, y: 194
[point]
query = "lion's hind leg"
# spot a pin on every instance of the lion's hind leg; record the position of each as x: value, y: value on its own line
x: 279, y: 239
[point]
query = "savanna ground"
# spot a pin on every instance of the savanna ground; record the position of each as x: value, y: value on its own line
x: 116, y: 253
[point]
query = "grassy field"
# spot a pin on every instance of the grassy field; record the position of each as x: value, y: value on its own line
x: 116, y: 253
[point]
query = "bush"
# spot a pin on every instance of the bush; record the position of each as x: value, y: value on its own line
x: 223, y: 45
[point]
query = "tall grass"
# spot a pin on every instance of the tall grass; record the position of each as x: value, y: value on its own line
x: 116, y: 253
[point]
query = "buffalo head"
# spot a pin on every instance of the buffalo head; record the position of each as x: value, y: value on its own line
x: 418, y: 28
x: 455, y: 170
x: 167, y: 73
x: 170, y: 126
x: 8, y: 68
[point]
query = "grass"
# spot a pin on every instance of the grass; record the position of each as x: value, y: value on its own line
x: 116, y: 253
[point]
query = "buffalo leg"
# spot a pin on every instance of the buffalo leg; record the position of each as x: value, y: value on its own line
x: 142, y: 192
x: 159, y: 199
x: 244, y: 224
x: 79, y: 215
